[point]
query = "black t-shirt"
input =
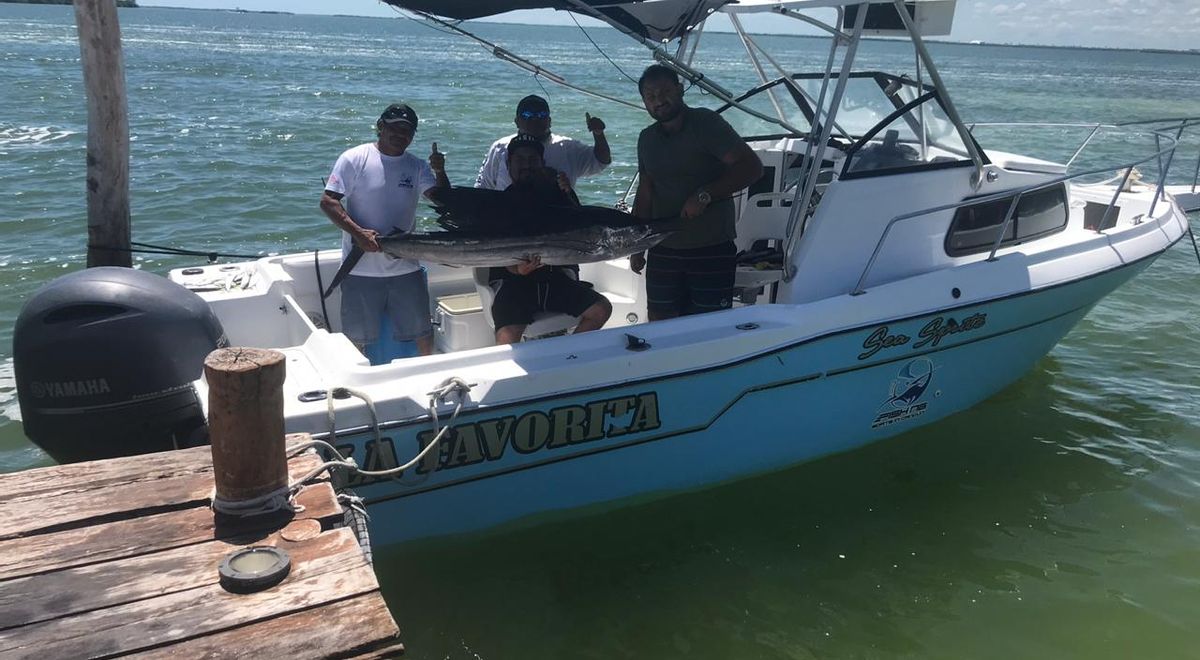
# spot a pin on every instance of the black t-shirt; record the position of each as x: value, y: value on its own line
x: 539, y: 191
x: 680, y: 163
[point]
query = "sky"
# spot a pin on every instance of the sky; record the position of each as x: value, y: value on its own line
x: 1173, y: 24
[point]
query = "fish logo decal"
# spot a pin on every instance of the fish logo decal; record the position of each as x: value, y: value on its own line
x: 910, y: 384
x: 907, y: 389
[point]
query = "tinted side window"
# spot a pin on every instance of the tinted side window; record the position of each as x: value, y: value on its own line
x: 975, y: 227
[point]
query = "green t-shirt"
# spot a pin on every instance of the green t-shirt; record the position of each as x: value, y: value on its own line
x: 680, y: 163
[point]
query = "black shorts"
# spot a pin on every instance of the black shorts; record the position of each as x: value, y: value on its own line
x: 694, y: 281
x: 519, y: 298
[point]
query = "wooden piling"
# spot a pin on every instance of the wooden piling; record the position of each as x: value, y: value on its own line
x: 108, y: 133
x: 245, y: 421
x: 116, y: 557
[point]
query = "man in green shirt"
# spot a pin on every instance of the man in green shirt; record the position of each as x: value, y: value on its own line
x: 690, y: 164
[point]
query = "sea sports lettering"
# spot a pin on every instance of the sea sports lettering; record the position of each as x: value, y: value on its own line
x: 889, y: 417
x: 936, y: 330
x: 62, y: 389
x: 528, y: 433
x: 931, y: 335
x: 880, y: 339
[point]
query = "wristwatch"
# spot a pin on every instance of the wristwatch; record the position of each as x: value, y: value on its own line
x: 703, y: 197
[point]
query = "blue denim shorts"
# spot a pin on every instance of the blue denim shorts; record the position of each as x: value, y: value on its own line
x: 403, y: 298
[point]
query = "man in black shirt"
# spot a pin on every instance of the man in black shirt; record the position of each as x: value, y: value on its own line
x: 530, y: 287
x: 690, y: 164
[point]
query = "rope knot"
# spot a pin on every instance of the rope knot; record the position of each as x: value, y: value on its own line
x: 452, y: 385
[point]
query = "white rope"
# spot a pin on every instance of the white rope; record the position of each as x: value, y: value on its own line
x: 340, y: 392
x: 283, y: 499
x: 450, y: 386
x: 280, y: 499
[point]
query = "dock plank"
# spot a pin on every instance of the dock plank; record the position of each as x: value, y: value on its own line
x: 43, y: 553
x: 38, y: 598
x: 352, y: 626
x: 94, y: 475
x: 145, y: 492
x: 178, y: 616
x: 120, y: 556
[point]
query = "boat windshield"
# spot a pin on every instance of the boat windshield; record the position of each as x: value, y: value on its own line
x: 918, y: 134
x: 884, y: 121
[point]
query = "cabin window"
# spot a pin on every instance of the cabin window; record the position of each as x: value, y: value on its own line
x: 975, y: 227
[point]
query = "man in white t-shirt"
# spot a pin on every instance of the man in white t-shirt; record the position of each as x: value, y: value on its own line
x: 571, y: 157
x: 373, y: 191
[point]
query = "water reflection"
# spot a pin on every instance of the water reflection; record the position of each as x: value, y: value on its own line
x: 872, y: 553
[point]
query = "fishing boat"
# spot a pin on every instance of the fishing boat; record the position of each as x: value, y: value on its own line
x: 906, y: 270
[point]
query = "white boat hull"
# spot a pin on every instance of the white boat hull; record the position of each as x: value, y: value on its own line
x: 766, y: 412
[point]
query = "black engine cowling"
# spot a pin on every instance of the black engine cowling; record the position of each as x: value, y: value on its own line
x: 105, y: 359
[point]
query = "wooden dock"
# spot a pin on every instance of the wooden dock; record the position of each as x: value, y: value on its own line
x: 119, y: 557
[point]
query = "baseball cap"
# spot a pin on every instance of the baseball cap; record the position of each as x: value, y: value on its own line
x: 526, y: 141
x: 534, y: 103
x: 399, y: 113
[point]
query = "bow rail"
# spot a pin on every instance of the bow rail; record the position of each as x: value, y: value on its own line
x: 1167, y: 134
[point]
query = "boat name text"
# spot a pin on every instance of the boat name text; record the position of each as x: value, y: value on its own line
x: 931, y: 335
x: 488, y: 440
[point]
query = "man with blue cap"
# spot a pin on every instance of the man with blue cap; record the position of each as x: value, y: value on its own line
x: 571, y: 157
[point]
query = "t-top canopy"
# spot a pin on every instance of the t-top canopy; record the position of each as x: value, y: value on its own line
x: 663, y: 20
x: 659, y: 20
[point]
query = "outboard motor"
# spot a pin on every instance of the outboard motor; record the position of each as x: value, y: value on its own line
x: 105, y: 359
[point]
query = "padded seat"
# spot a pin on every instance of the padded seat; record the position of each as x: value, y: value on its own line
x: 544, y: 323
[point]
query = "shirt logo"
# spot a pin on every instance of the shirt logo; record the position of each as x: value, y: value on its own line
x: 406, y: 181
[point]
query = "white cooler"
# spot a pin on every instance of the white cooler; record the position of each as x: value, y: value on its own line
x: 458, y: 324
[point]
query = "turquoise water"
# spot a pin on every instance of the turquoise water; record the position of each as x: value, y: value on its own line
x: 1056, y: 520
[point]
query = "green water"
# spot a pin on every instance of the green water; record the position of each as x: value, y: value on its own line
x: 1059, y: 519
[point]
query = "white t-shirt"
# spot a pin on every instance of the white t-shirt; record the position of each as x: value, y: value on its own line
x: 571, y: 157
x: 381, y: 193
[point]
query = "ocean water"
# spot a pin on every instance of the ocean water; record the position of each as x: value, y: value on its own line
x: 1059, y: 519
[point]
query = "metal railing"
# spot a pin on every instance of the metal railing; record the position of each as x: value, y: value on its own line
x: 1161, y: 133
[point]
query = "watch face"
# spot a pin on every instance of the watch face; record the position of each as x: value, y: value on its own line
x: 704, y: 197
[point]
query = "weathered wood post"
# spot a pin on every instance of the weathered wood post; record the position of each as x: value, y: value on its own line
x: 245, y: 422
x: 108, y: 133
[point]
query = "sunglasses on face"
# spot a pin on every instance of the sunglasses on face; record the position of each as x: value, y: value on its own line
x: 531, y: 114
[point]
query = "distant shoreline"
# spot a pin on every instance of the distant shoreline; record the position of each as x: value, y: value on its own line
x: 124, y: 4
x: 1154, y: 51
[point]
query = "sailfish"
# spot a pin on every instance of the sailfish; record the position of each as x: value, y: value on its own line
x: 500, y: 228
